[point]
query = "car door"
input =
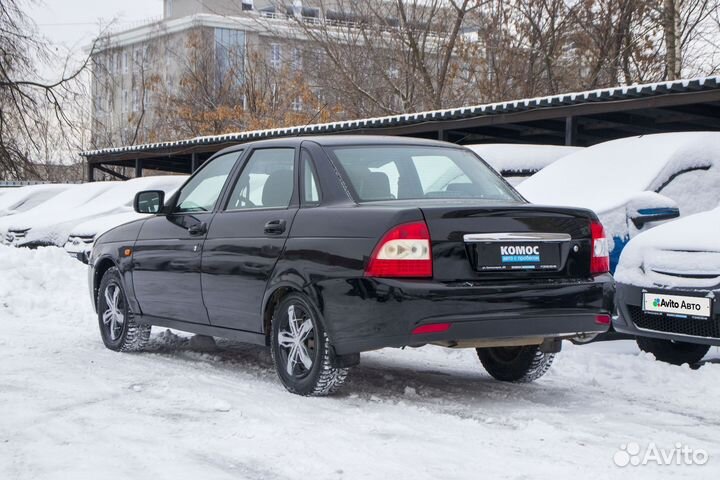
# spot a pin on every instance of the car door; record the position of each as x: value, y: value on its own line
x: 247, y: 237
x: 168, y: 252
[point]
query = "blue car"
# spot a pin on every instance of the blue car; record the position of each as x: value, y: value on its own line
x: 635, y: 183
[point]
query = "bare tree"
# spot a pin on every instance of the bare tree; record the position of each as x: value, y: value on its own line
x: 245, y: 93
x: 29, y: 104
x: 382, y: 57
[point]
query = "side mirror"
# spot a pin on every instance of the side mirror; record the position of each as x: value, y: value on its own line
x: 149, y: 201
x: 648, y: 207
x: 647, y: 215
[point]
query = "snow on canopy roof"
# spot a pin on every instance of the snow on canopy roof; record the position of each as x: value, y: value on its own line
x: 606, y: 94
x: 609, y: 174
x: 512, y: 157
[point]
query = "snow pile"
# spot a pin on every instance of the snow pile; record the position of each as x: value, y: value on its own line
x: 73, y: 409
x: 690, y: 245
x: 607, y: 177
x: 32, y: 282
x: 510, y: 157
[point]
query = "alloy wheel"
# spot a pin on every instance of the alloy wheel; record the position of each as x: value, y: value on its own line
x: 114, y: 315
x: 297, y: 342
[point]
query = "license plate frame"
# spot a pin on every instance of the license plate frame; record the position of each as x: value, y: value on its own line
x: 516, y: 256
x: 677, y: 306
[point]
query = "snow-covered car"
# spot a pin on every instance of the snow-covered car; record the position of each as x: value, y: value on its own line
x: 517, y: 162
x: 21, y: 199
x: 39, y: 228
x: 669, y: 288
x: 634, y: 183
x: 35, y: 227
x: 81, y: 237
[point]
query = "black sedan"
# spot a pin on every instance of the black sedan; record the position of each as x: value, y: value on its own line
x: 325, y: 247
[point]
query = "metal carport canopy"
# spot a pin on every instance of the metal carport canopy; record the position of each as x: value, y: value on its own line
x: 581, y: 118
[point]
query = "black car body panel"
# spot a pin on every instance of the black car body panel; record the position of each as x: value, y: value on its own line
x: 220, y: 272
x: 632, y: 320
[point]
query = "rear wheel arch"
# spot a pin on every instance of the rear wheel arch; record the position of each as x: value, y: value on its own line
x: 278, y: 293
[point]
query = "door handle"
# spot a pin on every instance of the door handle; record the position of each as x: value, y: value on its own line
x: 198, y: 229
x: 275, y: 227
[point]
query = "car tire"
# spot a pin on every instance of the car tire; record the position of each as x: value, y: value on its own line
x: 676, y: 353
x: 118, y: 328
x: 301, y: 349
x: 522, y: 364
x: 585, y: 339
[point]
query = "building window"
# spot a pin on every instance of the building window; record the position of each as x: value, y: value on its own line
x: 125, y: 60
x: 137, y: 59
x: 247, y: 5
x: 297, y: 104
x: 168, y: 8
x: 275, y: 55
x: 229, y: 54
x: 296, y: 59
x: 135, y: 100
x: 98, y: 104
x: 125, y: 101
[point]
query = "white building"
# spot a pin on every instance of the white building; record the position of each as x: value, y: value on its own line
x: 128, y: 63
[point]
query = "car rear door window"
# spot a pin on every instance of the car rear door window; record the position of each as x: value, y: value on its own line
x: 267, y: 181
x: 203, y: 190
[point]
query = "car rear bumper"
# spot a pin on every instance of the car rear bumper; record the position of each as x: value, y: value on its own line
x: 633, y: 321
x: 367, y: 314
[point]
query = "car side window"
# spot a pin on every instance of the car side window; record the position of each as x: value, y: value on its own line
x: 311, y: 188
x: 203, y: 190
x: 267, y: 181
x: 692, y: 190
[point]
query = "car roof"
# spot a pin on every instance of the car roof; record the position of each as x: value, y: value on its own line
x: 607, y: 175
x: 340, y: 140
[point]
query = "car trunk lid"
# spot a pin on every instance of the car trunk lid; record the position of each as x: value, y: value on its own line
x: 507, y: 242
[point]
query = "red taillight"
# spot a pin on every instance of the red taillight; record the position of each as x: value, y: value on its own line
x: 431, y: 328
x: 602, y: 319
x: 600, y: 260
x: 403, y: 252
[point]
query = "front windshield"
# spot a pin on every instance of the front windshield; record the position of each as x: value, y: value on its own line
x: 380, y: 173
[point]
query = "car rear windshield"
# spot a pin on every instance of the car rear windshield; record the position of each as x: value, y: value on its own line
x: 380, y: 173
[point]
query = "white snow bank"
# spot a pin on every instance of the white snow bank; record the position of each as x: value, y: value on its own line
x: 73, y: 409
x: 690, y: 245
x: 608, y: 175
x: 45, y: 281
x: 509, y: 157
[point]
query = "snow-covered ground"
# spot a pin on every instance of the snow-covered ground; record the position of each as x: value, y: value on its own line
x: 70, y: 409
